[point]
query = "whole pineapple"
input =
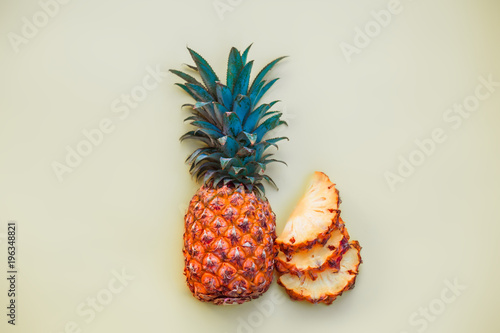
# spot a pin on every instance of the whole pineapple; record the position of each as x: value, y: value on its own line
x: 229, y: 226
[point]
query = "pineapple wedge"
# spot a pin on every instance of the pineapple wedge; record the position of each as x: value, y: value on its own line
x: 329, y: 284
x: 315, y: 261
x: 313, y: 219
x: 318, y: 258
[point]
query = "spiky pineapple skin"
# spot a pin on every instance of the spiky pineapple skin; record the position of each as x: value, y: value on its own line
x: 229, y: 245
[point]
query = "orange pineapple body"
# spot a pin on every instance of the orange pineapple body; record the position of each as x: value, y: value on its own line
x: 228, y: 245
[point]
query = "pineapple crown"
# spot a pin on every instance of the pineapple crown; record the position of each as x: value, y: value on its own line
x: 230, y: 123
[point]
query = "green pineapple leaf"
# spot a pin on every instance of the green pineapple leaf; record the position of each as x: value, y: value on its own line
x: 191, y: 67
x: 209, y: 133
x: 234, y: 66
x: 229, y: 145
x: 191, y: 158
x: 262, y: 91
x: 264, y: 71
x: 251, y: 179
x: 194, y: 117
x: 183, y: 86
x: 207, y: 110
x: 242, y: 106
x: 218, y: 179
x: 273, y: 141
x: 186, y: 77
x: 200, y: 169
x: 252, y: 138
x: 209, y: 175
x: 274, y: 160
x: 207, y: 125
x: 225, y: 162
x: 270, y: 113
x: 245, y: 151
x: 245, y: 54
x: 256, y: 115
x: 267, y: 125
x: 192, y: 135
x: 238, y: 170
x: 206, y: 72
x: 253, y: 93
x: 232, y: 124
x: 261, y: 188
x: 199, y: 93
x: 270, y: 181
x: 241, y: 84
x: 219, y: 111
x: 224, y: 95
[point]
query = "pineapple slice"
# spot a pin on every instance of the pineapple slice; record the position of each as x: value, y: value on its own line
x: 318, y: 258
x: 314, y: 218
x: 328, y: 284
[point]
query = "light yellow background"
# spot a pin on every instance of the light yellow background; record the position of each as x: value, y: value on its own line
x: 122, y: 208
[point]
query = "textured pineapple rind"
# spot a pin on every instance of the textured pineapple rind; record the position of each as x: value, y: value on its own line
x: 289, y: 248
x: 237, y: 300
x: 213, y: 288
x: 332, y: 262
x: 328, y: 298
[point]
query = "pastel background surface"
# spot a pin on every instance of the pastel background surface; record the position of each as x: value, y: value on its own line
x: 121, y: 208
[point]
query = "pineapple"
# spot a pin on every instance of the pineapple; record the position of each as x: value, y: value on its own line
x: 229, y: 226
x: 329, y: 284
x: 314, y: 218
x: 316, y: 260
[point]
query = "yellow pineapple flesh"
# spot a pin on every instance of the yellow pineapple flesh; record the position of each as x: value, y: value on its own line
x: 316, y: 262
x: 329, y: 284
x: 314, y: 218
x: 317, y: 258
